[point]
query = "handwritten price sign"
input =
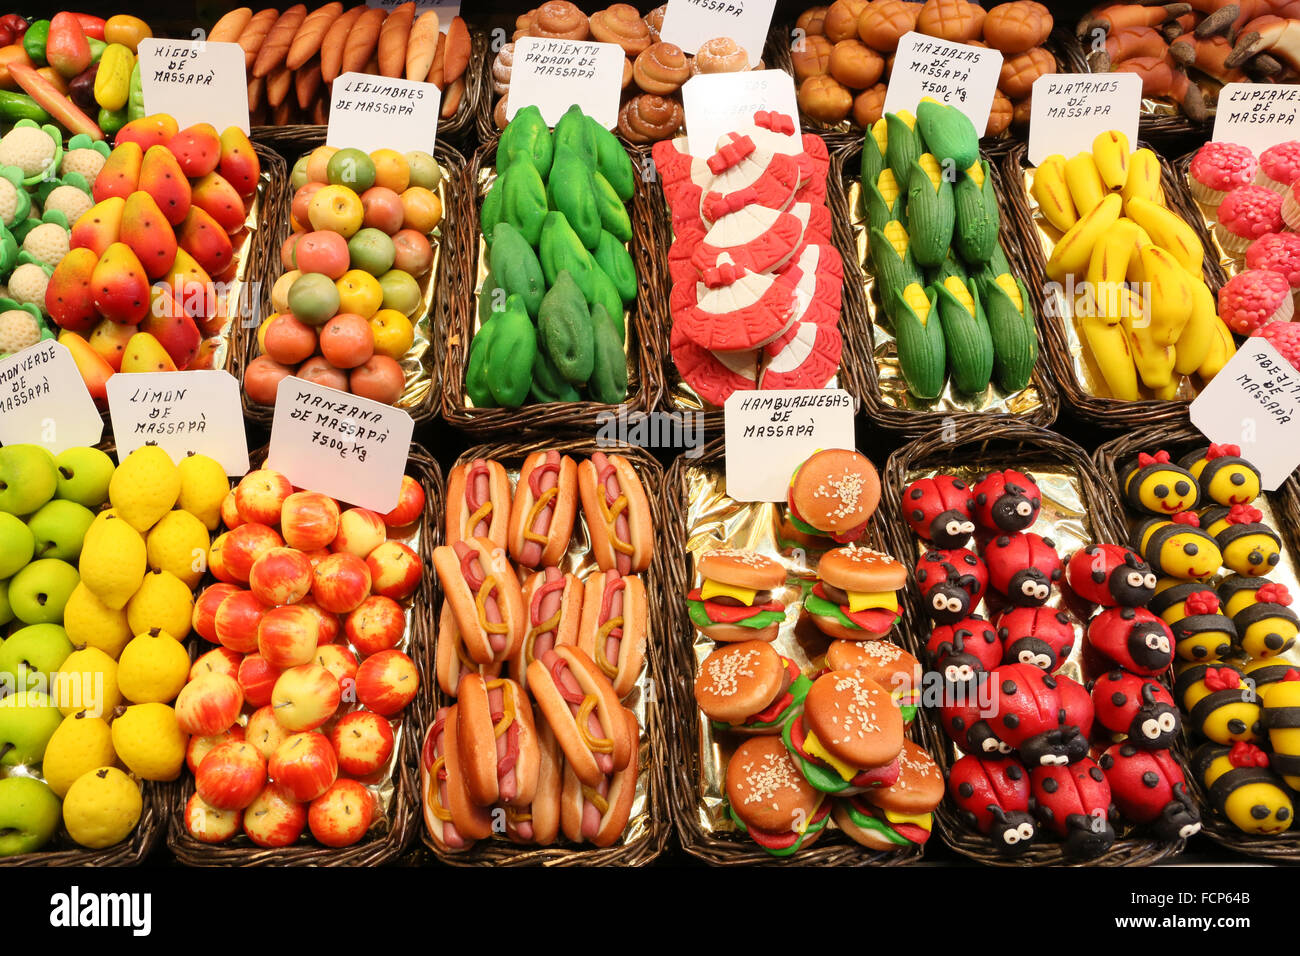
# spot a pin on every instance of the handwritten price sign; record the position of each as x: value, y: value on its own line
x: 952, y: 73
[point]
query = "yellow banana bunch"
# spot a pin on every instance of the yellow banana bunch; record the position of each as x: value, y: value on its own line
x: 1108, y: 267
x: 1143, y: 178
x: 1086, y: 186
x: 1111, y: 155
x: 1168, y: 231
x: 1222, y: 348
x: 1108, y: 342
x: 1200, y: 332
x: 1052, y: 194
x: 1154, y: 362
x: 1074, y: 252
x: 1169, y: 295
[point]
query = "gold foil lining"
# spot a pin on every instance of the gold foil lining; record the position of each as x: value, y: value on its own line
x: 1061, y: 307
x: 486, y: 177
x: 1232, y: 264
x: 578, y: 560
x: 893, y: 389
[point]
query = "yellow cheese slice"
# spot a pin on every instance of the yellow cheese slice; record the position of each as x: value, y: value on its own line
x: 923, y: 820
x: 712, y: 589
x: 861, y: 600
x: 813, y: 747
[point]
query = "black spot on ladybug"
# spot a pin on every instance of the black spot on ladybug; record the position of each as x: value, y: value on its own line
x: 1065, y: 651
x: 921, y: 575
x: 1099, y: 576
x: 1127, y: 750
x: 1049, y: 542
x: 1009, y: 687
x: 981, y: 498
x: 1062, y: 617
x: 959, y: 723
x: 1049, y: 681
x: 1011, y: 720
x: 917, y: 494
x: 1014, y: 772
x: 990, y: 637
x: 1151, y: 778
x: 1259, y: 812
x: 1118, y: 699
x: 970, y: 559
x: 1095, y: 773
x: 1049, y: 785
x: 1056, y: 574
x: 959, y: 484
x: 1128, y: 613
x: 1107, y: 761
x: 966, y: 790
x: 1002, y: 541
x: 918, y: 514
x: 1004, y: 632
x: 1047, y: 813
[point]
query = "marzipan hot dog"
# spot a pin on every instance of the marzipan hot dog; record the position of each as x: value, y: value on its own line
x: 541, y: 517
x: 498, y: 744
x: 599, y: 814
x: 617, y: 513
x: 579, y: 703
x: 552, y: 613
x: 479, y: 583
x: 539, y: 822
x: 613, y: 627
x: 453, y: 821
x: 453, y: 661
x: 478, y: 502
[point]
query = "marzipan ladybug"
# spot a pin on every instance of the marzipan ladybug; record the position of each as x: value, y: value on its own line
x: 1140, y: 707
x: 964, y: 648
x: 1148, y: 787
x: 1133, y: 638
x: 1042, y: 636
x: 994, y: 799
x: 1032, y: 718
x: 1007, y: 501
x: 1111, y: 575
x: 963, y: 720
x: 1075, y: 803
x: 940, y: 510
x: 1023, y: 567
x: 951, y: 583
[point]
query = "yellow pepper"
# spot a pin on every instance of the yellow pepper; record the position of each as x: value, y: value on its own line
x: 113, y: 80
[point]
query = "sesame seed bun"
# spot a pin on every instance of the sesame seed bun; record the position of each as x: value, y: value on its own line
x: 743, y: 569
x: 871, y: 839
x: 854, y: 718
x: 836, y: 490
x: 765, y: 788
x: 883, y: 661
x: 919, y: 786
x: 861, y: 569
x: 738, y: 680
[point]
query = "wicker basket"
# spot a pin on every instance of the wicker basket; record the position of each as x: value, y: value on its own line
x: 845, y: 164
x: 973, y: 443
x: 454, y: 231
x: 388, y: 843
x: 685, y: 771
x: 654, y: 749
x: 1179, y: 438
x: 1107, y: 413
x: 452, y: 341
x: 1062, y: 44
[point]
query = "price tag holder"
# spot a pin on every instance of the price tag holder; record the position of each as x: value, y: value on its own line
x: 195, y: 81
x: 691, y: 23
x: 375, y: 112
x: 1254, y: 402
x: 556, y: 74
x: 43, y: 400
x: 339, y: 444
x: 1257, y: 115
x: 952, y: 73
x: 444, y: 9
x: 767, y: 433
x: 182, y: 413
x: 719, y: 103
x: 1069, y: 111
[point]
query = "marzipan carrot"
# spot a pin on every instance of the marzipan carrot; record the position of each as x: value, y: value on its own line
x: 434, y: 75
x: 456, y: 58
x: 278, y: 83
x: 306, y: 83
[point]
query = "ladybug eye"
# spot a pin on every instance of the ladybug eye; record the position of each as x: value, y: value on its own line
x: 952, y: 528
x: 1153, y: 641
x: 1011, y: 837
x: 1024, y: 509
x: 965, y: 672
x: 1150, y: 580
x: 967, y: 527
x: 939, y: 601
x: 1135, y: 579
x: 1151, y: 729
x: 1027, y: 657
x: 1167, y: 723
x: 991, y: 745
x: 1004, y: 748
x: 1028, y: 589
x: 954, y: 605
x: 1043, y: 661
x: 1190, y: 830
x: 1026, y: 831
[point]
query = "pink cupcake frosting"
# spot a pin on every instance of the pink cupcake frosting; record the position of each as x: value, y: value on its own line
x: 1285, y: 337
x: 1247, y: 213
x: 1277, y: 252
x: 1251, y: 298
x: 1223, y: 166
x: 1279, y: 166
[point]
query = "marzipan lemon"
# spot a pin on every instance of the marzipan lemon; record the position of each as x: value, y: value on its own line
x: 80, y: 744
x: 113, y: 560
x: 203, y: 487
x: 148, y: 740
x: 91, y: 623
x: 179, y: 543
x: 153, y: 668
x: 145, y: 487
x: 102, y: 807
x: 164, y: 601
x: 87, y: 681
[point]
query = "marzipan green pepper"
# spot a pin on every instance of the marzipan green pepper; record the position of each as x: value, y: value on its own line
x: 564, y: 326
x: 17, y: 106
x: 613, y: 214
x: 616, y: 262
x: 613, y: 162
x: 512, y: 351
x: 516, y: 268
x: 135, y: 100
x: 561, y: 249
x: 548, y: 384
x: 34, y: 41
x: 524, y: 199
x: 574, y: 131
x: 604, y: 294
x: 526, y: 136
x: 570, y: 190
x: 491, y: 298
x: 608, y: 382
x: 110, y: 121
x: 476, y: 383
x: 490, y: 213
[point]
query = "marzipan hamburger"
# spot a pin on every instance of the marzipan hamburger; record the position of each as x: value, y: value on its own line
x: 734, y: 602
x: 848, y: 736
x: 749, y: 688
x: 885, y: 663
x: 769, y: 800
x: 854, y: 598
x: 833, y: 493
x: 894, y: 817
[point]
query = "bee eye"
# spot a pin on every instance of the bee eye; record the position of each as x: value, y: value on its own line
x: 1151, y: 729
x: 1150, y: 580
x: 1135, y: 579
x: 1161, y: 491
x: 1012, y: 837
x: 1182, y: 488
x: 1237, y: 478
x: 1273, y: 559
x: 1024, y: 509
x: 1255, y: 557
x: 1167, y: 723
x: 1190, y: 549
x: 1026, y: 831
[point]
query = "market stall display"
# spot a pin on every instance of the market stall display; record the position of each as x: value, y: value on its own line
x: 565, y: 673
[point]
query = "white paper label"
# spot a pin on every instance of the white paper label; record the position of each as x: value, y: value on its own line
x: 195, y: 81
x: 1257, y: 115
x: 446, y: 10
x: 43, y: 400
x: 342, y: 445
x: 377, y: 112
x: 952, y: 73
x: 182, y: 413
x: 691, y: 23
x: 556, y: 74
x: 721, y: 103
x: 767, y: 434
x: 1069, y: 111
x: 1254, y: 402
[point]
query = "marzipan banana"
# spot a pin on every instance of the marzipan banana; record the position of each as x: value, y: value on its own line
x: 1154, y: 362
x: 1086, y: 186
x: 1200, y: 332
x: 1169, y: 295
x: 1108, y: 341
x: 1168, y: 231
x: 1073, y: 253
x: 1111, y: 154
x: 1052, y: 193
x: 1143, y: 177
x: 1108, y: 267
x: 1222, y: 348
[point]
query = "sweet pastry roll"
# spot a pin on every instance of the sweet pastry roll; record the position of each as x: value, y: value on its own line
x: 502, y: 67
x: 721, y: 55
x: 621, y: 24
x: 560, y: 20
x: 661, y: 68
x: 647, y: 118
